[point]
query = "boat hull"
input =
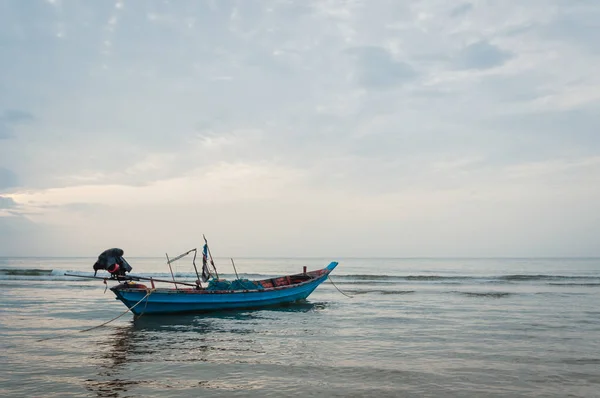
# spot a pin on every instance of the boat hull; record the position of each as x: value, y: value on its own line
x: 170, y: 301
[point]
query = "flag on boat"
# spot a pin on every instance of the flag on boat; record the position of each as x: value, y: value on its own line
x: 205, y: 271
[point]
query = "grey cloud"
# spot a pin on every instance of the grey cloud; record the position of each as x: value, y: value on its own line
x: 461, y: 10
x: 8, y: 178
x: 17, y: 116
x: 581, y: 29
x: 376, y: 68
x: 87, y: 208
x: 11, y: 118
x: 7, y: 203
x: 481, y: 55
x: 511, y: 89
x: 561, y: 129
x: 5, y: 131
x: 19, y: 232
x: 542, y: 136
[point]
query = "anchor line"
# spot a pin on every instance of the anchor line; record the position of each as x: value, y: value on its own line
x: 150, y: 291
x: 338, y: 289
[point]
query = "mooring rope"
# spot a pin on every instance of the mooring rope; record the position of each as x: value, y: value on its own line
x: 338, y: 289
x: 150, y: 291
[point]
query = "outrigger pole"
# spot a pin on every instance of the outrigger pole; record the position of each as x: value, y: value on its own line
x: 133, y: 278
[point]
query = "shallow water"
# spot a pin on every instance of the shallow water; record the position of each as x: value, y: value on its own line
x: 414, y: 327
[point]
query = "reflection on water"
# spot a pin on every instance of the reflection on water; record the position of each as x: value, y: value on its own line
x: 153, y: 341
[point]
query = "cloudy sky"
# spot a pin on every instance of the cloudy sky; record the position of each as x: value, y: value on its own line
x: 300, y: 128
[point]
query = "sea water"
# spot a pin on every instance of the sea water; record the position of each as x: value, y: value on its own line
x: 412, y: 327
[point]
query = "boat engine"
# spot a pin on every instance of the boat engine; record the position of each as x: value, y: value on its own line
x: 112, y: 260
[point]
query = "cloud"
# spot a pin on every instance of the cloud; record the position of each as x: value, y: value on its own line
x: 10, y: 119
x: 376, y: 68
x: 22, y: 237
x: 7, y: 203
x: 435, y: 128
x: 577, y: 25
x: 461, y: 9
x: 17, y: 116
x: 481, y: 55
x: 8, y: 179
x: 4, y: 131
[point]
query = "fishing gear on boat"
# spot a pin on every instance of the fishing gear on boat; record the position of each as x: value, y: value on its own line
x: 112, y: 260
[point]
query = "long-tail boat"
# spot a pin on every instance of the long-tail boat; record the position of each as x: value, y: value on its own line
x: 216, y: 293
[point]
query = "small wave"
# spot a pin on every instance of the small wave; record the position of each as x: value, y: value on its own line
x: 490, y: 279
x: 575, y: 284
x: 35, y: 274
x: 485, y: 294
x: 397, y: 292
x: 378, y: 283
x: 582, y: 361
x: 356, y: 292
x: 540, y: 277
x: 25, y: 272
x: 436, y: 278
x: 346, y: 279
x: 367, y: 277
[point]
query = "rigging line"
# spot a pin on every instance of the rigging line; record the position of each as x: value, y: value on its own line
x: 181, y: 256
x: 150, y: 291
x: 145, y: 306
x: 338, y: 289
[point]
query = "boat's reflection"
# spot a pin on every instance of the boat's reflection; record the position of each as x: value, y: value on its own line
x: 157, y: 340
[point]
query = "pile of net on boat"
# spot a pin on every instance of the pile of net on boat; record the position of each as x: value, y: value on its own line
x: 238, y: 284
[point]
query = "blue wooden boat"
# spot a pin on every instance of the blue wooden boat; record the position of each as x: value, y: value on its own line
x: 216, y: 293
x: 269, y: 292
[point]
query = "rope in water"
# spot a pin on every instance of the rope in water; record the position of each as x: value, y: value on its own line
x: 150, y: 291
x: 338, y: 289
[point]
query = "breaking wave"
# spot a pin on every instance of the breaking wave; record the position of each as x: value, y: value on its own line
x: 575, y: 284
x: 464, y: 278
x: 391, y: 292
x: 485, y: 294
x: 31, y: 274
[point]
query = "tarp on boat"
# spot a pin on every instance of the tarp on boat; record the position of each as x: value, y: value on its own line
x: 238, y: 284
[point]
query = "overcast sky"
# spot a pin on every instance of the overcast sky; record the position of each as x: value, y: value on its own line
x: 300, y: 128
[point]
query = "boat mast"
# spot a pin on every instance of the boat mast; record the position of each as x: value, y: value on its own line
x: 172, y: 276
x: 195, y: 268
x: 211, y: 257
x: 236, y: 274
